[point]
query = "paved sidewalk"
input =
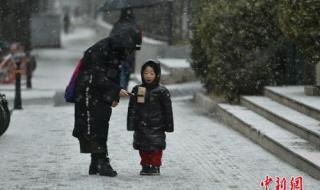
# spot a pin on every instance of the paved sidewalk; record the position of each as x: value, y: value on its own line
x: 38, y: 152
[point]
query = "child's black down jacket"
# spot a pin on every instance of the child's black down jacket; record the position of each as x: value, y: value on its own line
x: 150, y: 120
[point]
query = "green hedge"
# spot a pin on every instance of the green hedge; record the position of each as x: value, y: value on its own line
x: 300, y: 22
x: 238, y: 47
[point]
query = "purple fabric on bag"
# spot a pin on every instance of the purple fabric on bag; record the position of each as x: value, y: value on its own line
x: 70, y: 92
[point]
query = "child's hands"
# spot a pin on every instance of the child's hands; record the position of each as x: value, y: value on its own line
x: 123, y: 93
x: 114, y: 104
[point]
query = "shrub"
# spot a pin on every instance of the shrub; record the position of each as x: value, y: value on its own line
x: 299, y: 21
x: 235, y: 47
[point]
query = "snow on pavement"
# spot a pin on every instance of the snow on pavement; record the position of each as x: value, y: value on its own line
x: 78, y: 33
x: 175, y: 63
x: 296, y: 93
x: 38, y: 152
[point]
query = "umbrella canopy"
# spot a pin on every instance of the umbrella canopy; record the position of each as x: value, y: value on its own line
x: 111, y: 5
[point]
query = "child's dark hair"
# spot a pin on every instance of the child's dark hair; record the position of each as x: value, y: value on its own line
x: 153, y: 64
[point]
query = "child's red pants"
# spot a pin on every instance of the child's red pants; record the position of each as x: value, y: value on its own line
x: 151, y: 158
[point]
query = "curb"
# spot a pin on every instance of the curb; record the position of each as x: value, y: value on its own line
x: 205, y: 103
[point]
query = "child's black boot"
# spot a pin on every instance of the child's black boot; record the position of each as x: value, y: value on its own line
x: 154, y: 171
x: 145, y: 170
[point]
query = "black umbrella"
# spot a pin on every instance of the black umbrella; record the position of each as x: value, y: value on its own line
x: 111, y: 5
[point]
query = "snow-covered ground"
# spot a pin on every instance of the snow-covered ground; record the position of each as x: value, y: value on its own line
x: 38, y: 151
x: 175, y: 63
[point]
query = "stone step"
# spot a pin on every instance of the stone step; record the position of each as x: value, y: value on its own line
x: 172, y: 63
x: 302, y: 125
x: 295, y: 98
x: 184, y: 89
x: 179, y: 70
x: 286, y: 145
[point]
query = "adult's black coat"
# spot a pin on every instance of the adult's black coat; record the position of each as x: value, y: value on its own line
x: 97, y: 86
x: 150, y: 120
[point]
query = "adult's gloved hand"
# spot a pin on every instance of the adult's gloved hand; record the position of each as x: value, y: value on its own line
x: 123, y: 93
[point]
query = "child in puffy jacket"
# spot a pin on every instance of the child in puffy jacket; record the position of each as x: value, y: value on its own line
x: 150, y: 116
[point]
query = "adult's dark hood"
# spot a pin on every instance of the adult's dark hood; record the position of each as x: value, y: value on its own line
x: 157, y: 69
x: 126, y: 35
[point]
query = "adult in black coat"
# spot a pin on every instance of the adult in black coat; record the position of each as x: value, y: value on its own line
x: 150, y: 116
x: 97, y: 90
